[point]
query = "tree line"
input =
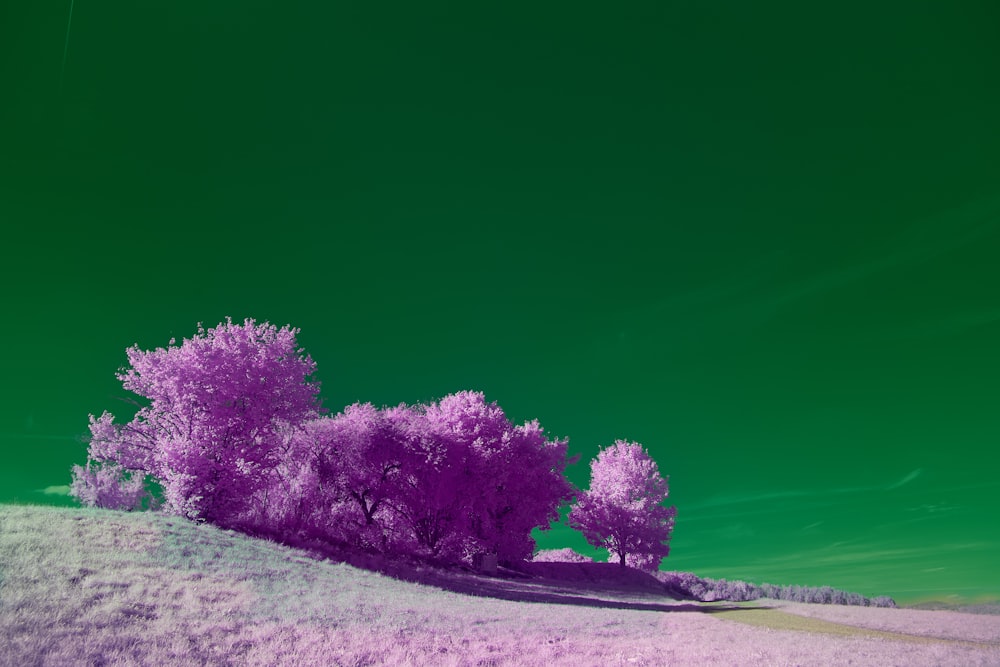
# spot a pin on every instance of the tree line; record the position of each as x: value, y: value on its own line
x: 231, y: 431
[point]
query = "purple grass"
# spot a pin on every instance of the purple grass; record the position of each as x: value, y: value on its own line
x: 97, y: 587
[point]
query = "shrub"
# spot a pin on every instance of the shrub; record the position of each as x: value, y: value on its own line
x: 566, y: 555
x: 110, y: 486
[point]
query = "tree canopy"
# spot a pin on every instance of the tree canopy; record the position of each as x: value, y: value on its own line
x: 623, y: 510
x: 233, y: 433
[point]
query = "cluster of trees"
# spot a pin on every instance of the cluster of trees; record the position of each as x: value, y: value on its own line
x: 685, y: 584
x: 233, y: 433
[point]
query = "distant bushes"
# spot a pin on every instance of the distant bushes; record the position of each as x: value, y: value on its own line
x: 687, y: 585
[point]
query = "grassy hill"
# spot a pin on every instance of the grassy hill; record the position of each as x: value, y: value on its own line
x: 94, y: 587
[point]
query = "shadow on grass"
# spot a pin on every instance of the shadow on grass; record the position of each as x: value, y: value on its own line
x: 597, y: 585
x: 546, y: 591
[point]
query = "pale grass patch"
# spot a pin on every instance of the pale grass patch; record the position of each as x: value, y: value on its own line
x: 950, y: 625
x: 94, y: 587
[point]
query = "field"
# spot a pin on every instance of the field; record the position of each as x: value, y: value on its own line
x: 94, y: 587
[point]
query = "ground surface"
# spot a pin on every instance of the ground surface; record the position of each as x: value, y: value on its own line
x: 92, y: 587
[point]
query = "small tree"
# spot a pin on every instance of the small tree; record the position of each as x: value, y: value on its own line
x: 623, y: 510
x: 109, y: 486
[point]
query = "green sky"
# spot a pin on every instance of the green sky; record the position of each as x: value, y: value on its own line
x: 761, y: 241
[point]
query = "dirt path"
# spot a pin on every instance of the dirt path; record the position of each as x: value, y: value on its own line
x: 775, y: 619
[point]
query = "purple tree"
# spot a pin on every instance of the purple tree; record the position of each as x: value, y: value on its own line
x: 523, y: 487
x: 512, y: 475
x: 233, y: 434
x: 472, y: 482
x: 623, y: 510
x: 220, y: 405
x: 369, y: 446
x: 434, y: 489
x: 357, y: 457
x: 295, y: 500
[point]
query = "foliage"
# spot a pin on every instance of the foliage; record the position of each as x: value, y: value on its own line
x: 356, y: 459
x: 473, y: 482
x: 109, y: 486
x: 623, y: 510
x: 566, y: 555
x: 519, y: 476
x: 235, y: 436
x: 218, y: 406
x: 688, y: 585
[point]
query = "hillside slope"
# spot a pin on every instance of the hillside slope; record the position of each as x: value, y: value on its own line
x: 93, y: 587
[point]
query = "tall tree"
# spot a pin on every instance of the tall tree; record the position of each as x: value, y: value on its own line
x: 623, y: 510
x: 523, y: 486
x: 438, y: 483
x: 473, y: 482
x: 219, y: 405
x: 362, y: 457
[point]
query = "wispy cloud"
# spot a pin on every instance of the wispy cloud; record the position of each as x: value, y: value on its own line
x: 927, y: 512
x: 933, y: 508
x: 54, y: 490
x: 725, y: 501
x: 733, y: 532
x: 955, y: 323
x: 925, y: 241
x: 732, y: 500
x: 754, y: 293
x: 856, y: 553
x: 707, y: 298
x: 760, y: 503
x: 906, y: 480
